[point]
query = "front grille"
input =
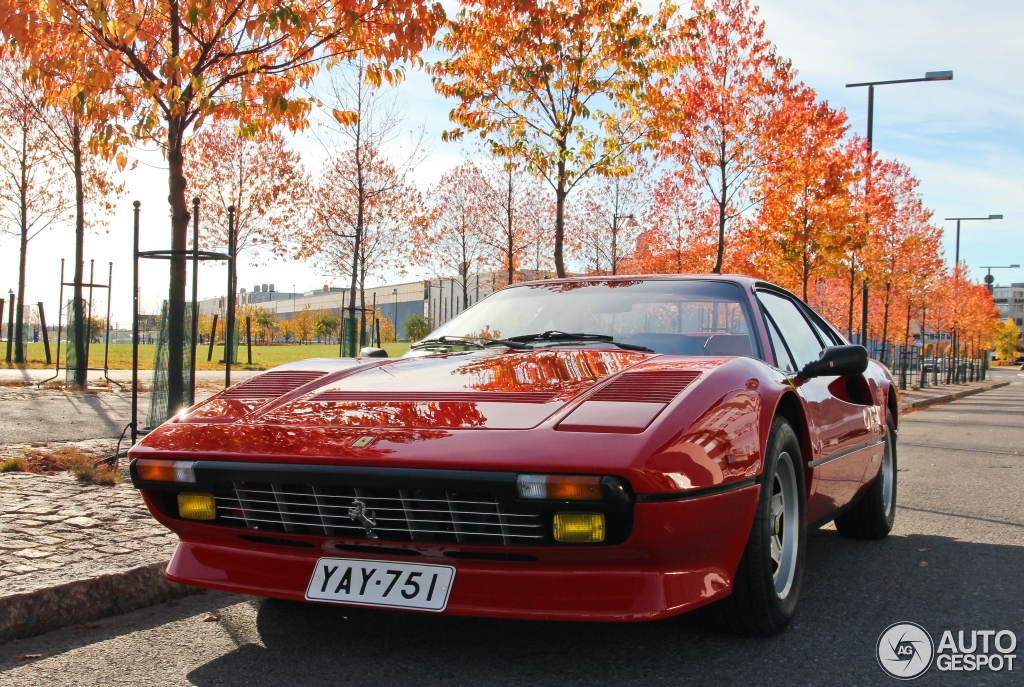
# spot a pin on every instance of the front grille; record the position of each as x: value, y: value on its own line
x: 411, y: 515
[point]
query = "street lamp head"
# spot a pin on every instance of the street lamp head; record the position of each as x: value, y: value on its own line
x: 939, y: 76
x: 995, y: 216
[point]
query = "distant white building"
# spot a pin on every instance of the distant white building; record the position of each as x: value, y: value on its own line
x: 1010, y: 300
x: 437, y: 299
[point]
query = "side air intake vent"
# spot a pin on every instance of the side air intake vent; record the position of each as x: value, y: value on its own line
x: 272, y: 384
x: 656, y: 386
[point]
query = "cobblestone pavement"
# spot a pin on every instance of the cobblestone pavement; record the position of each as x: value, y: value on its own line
x: 54, y: 529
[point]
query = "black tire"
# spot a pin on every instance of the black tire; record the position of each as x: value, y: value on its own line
x: 756, y: 607
x: 873, y: 516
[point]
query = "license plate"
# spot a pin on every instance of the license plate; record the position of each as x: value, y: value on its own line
x: 381, y: 583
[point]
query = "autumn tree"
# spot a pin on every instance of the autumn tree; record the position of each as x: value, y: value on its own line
x: 33, y: 194
x: 803, y: 228
x: 731, y: 91
x: 178, y: 64
x: 257, y: 175
x: 454, y: 240
x: 364, y: 119
x: 605, y: 219
x: 327, y: 325
x: 678, y: 229
x: 903, y: 241
x: 567, y: 87
x: 515, y: 210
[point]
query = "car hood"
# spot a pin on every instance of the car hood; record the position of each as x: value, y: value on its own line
x: 473, y: 390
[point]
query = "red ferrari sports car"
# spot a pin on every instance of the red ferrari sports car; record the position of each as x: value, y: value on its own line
x: 585, y: 449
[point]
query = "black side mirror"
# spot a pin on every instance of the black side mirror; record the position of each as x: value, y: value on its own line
x: 369, y: 352
x: 838, y: 361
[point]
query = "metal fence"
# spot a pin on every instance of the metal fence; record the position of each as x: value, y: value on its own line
x: 913, y: 368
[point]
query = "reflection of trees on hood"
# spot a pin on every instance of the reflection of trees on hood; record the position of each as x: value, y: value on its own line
x: 567, y: 372
x: 455, y: 415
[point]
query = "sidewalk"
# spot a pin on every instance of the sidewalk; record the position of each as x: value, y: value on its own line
x: 933, y: 395
x: 36, y: 376
x: 74, y: 552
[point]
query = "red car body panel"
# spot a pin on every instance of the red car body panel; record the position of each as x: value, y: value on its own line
x: 691, y: 463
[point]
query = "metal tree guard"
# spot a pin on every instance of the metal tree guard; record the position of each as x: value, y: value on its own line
x: 88, y: 322
x: 196, y: 256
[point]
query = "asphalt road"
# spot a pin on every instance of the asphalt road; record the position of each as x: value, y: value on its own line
x: 960, y: 511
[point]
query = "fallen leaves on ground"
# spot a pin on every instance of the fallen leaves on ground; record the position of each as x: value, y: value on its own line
x: 210, y: 619
x: 22, y: 657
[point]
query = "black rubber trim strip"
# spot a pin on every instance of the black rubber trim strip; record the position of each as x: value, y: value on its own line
x: 618, y: 495
x: 696, y: 493
x: 842, y: 454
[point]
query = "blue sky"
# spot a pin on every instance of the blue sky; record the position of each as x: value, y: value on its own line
x: 962, y: 139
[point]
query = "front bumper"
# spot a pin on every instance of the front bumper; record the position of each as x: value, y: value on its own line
x: 680, y: 555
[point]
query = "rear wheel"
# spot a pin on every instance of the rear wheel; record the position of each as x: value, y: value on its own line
x: 769, y: 577
x: 874, y: 515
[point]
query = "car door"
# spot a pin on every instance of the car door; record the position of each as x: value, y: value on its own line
x: 840, y: 436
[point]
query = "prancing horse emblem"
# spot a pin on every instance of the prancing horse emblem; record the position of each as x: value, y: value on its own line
x: 367, y: 518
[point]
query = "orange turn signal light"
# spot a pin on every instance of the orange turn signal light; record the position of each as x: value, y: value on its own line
x: 165, y: 470
x: 560, y: 487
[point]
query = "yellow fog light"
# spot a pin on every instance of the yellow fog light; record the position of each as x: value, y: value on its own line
x: 197, y: 506
x: 579, y: 528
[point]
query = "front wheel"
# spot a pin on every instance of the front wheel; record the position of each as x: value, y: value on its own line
x: 768, y: 580
x: 874, y: 515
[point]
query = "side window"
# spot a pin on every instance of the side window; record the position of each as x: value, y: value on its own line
x: 803, y: 342
x: 782, y: 359
x: 825, y: 332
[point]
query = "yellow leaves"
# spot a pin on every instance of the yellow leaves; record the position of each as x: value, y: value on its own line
x: 54, y: 10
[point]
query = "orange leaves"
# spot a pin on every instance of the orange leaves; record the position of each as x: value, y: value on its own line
x: 237, y: 59
x: 345, y: 117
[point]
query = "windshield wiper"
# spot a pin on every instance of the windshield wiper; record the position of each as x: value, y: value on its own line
x: 477, y: 341
x: 554, y: 335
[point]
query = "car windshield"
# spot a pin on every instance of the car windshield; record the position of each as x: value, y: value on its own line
x: 694, y: 317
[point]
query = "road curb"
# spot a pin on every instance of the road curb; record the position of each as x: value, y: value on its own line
x: 946, y: 398
x: 83, y: 601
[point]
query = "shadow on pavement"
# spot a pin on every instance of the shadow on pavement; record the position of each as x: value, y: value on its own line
x: 852, y: 591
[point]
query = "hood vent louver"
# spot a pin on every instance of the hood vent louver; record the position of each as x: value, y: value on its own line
x: 656, y: 386
x: 272, y: 384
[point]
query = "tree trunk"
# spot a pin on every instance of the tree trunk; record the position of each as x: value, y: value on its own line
x: 560, y: 194
x: 78, y: 335
x: 722, y: 207
x: 885, y: 323
x: 19, y: 314
x: 179, y: 239
x: 509, y: 229
x: 853, y: 287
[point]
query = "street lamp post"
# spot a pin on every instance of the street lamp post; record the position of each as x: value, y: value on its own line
x: 956, y: 274
x: 958, y: 220
x: 928, y: 76
x: 394, y: 292
x: 630, y: 222
x: 988, y: 277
